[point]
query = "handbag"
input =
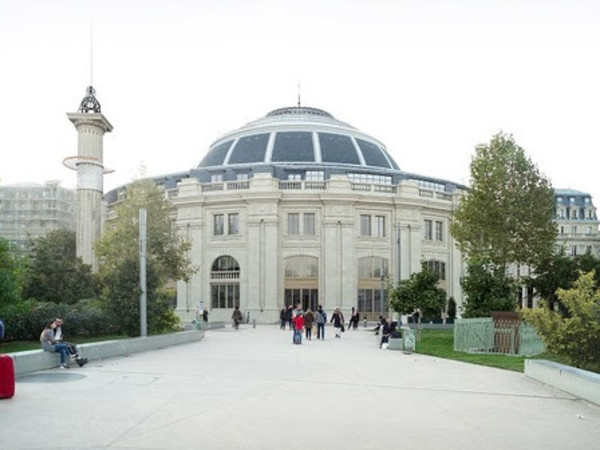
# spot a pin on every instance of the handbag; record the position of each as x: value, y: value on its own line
x: 343, y: 329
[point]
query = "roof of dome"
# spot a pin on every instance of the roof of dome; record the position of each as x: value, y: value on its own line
x: 299, y: 135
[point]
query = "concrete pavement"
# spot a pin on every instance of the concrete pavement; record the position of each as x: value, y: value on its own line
x: 253, y: 389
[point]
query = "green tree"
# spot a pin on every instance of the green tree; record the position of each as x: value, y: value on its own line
x: 167, y: 259
x: 56, y: 273
x: 12, y: 270
x: 487, y: 289
x: 577, y: 335
x: 559, y: 271
x: 506, y: 215
x: 419, y: 291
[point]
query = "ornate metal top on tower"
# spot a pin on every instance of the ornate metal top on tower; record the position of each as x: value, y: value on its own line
x: 90, y: 103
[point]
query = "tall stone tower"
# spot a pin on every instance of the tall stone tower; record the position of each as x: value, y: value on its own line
x: 89, y: 164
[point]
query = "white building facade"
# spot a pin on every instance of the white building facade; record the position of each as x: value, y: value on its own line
x: 299, y: 207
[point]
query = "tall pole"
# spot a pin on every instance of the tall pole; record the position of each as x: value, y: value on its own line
x: 143, y: 320
x: 381, y: 295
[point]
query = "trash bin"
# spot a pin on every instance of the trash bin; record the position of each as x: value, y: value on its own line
x: 408, y: 339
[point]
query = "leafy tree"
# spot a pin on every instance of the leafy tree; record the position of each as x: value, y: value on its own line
x: 559, y: 271
x: 11, y: 274
x: 56, y: 273
x: 506, y: 216
x: 487, y: 289
x: 419, y: 291
x: 576, y: 336
x: 166, y: 254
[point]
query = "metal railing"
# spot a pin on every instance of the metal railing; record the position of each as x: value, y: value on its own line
x: 484, y: 335
x: 299, y: 185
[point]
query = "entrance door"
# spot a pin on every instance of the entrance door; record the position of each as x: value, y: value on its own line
x: 308, y: 297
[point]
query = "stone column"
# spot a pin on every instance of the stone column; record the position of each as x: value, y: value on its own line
x: 90, y: 181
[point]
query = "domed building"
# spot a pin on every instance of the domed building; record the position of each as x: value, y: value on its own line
x: 301, y: 207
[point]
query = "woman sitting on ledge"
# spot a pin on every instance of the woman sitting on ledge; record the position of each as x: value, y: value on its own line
x: 50, y: 345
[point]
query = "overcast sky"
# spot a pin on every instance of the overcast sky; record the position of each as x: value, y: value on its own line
x: 430, y: 79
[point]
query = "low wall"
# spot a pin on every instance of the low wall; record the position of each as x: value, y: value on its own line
x: 581, y: 383
x: 35, y: 360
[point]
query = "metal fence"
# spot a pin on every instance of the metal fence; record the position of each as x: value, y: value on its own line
x: 511, y: 337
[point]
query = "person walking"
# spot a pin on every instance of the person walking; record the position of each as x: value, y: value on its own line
x: 237, y: 317
x: 354, y: 319
x: 298, y: 325
x: 337, y: 318
x: 309, y: 318
x: 289, y: 316
x: 321, y: 319
x: 282, y: 318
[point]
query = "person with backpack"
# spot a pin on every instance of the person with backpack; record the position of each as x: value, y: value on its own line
x: 321, y: 319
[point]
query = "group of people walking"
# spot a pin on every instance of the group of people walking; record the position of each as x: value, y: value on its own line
x: 304, y: 321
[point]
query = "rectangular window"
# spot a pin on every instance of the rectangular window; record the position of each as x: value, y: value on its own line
x: 365, y: 225
x: 439, y: 231
x: 379, y: 226
x: 314, y: 175
x: 294, y: 177
x: 225, y: 295
x: 216, y: 178
x: 293, y: 223
x: 219, y: 224
x: 309, y: 223
x: 573, y: 250
x: 234, y: 227
x: 428, y: 230
x: 574, y: 230
x: 242, y: 177
x: 588, y: 230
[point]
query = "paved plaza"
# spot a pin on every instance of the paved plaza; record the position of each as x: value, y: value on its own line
x: 253, y: 389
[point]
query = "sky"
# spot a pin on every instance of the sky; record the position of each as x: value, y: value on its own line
x: 429, y: 79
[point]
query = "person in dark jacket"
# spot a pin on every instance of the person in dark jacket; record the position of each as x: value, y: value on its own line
x: 321, y: 319
x: 388, y: 329
x: 282, y: 318
x: 337, y: 318
x: 237, y: 317
x: 289, y: 316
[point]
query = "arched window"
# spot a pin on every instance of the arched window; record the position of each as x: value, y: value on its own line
x: 225, y: 286
x: 225, y: 267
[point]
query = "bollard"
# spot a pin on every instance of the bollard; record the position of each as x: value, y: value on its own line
x: 253, y: 323
x: 365, y: 322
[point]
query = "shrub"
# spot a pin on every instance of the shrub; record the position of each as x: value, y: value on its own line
x: 576, y: 335
x: 25, y: 320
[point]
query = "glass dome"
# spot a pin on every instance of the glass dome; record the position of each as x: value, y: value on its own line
x: 300, y: 135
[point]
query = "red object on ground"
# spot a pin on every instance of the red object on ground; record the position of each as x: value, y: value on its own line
x: 7, y: 377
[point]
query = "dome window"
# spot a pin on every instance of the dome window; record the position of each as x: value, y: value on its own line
x: 250, y: 149
x: 337, y: 148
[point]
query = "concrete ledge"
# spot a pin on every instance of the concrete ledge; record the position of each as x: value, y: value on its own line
x: 36, y: 360
x: 395, y: 344
x: 581, y: 383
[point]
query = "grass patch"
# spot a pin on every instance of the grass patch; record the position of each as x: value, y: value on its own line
x: 440, y: 343
x: 20, y: 346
